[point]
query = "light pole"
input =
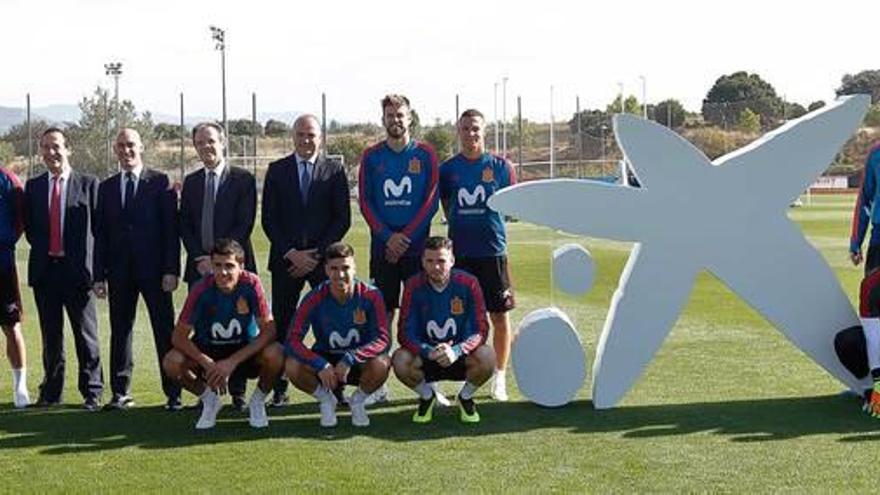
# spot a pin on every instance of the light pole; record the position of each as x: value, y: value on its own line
x: 504, y: 117
x: 219, y: 37
x: 620, y: 87
x: 644, y: 98
x: 495, y: 116
x: 114, y: 70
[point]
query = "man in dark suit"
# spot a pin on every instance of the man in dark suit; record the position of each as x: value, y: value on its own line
x: 60, y: 211
x: 305, y: 209
x: 229, y: 213
x: 137, y: 252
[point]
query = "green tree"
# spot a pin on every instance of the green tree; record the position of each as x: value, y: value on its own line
x: 630, y: 105
x: 442, y: 138
x: 733, y: 93
x: 347, y: 145
x: 748, y: 121
x: 815, y: 105
x: 415, y: 126
x: 165, y: 132
x: 7, y: 153
x: 276, y: 128
x: 872, y: 118
x: 864, y: 82
x: 91, y: 138
x: 670, y: 113
x: 794, y: 110
x: 17, y: 135
x: 244, y: 127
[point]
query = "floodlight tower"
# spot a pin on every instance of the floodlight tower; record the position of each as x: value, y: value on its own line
x: 504, y: 117
x: 644, y: 98
x: 219, y: 37
x: 114, y: 70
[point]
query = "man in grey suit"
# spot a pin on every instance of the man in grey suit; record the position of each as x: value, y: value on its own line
x: 305, y: 209
x: 60, y: 212
x: 217, y: 201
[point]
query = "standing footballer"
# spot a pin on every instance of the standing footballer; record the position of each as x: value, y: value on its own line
x: 467, y: 181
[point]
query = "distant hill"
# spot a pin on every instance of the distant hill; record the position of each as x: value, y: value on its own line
x: 9, y: 116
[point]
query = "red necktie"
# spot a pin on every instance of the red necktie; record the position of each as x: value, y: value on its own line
x: 55, y: 246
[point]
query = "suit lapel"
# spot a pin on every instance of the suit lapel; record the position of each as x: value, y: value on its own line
x: 72, y: 190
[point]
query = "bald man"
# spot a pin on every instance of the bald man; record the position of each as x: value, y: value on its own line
x: 305, y: 209
x: 137, y: 253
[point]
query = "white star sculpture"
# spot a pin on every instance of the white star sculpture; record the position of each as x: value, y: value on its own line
x: 727, y: 216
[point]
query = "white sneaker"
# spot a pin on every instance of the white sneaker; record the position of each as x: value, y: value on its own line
x: 257, y: 408
x: 211, y: 405
x: 498, y: 391
x: 21, y: 399
x: 328, y: 411
x: 359, y: 416
x: 441, y: 399
x: 380, y: 395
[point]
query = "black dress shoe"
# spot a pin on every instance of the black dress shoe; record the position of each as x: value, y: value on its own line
x: 43, y: 403
x: 279, y: 400
x: 238, y: 403
x: 119, y: 403
x: 92, y: 404
x: 173, y: 404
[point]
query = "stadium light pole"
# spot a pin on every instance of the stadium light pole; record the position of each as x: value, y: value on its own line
x: 620, y: 87
x: 114, y: 70
x: 495, y: 116
x: 644, y: 98
x: 504, y: 117
x: 219, y: 37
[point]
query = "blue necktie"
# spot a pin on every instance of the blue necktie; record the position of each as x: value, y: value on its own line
x: 128, y: 207
x: 305, y: 181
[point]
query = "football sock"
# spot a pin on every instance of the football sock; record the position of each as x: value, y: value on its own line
x: 871, y: 327
x: 321, y: 393
x: 207, y: 393
x: 359, y: 396
x: 468, y: 390
x: 424, y: 390
x: 19, y: 379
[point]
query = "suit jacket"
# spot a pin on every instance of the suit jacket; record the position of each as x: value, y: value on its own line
x: 323, y: 219
x: 79, y: 215
x: 147, y: 245
x: 235, y: 209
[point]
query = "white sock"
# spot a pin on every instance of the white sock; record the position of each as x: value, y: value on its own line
x: 871, y: 327
x: 359, y: 396
x: 207, y: 393
x: 424, y: 390
x: 258, y: 394
x: 19, y: 379
x: 499, y: 376
x: 321, y: 393
x: 467, y: 391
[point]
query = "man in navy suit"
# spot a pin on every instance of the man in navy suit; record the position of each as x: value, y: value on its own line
x: 60, y: 211
x: 137, y: 252
x: 228, y: 210
x: 305, y: 209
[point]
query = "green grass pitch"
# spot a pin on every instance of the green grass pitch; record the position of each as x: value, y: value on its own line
x: 727, y: 405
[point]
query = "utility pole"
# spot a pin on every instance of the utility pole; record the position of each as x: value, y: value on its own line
x: 114, y: 69
x: 219, y: 37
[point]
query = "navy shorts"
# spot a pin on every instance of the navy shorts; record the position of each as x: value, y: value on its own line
x: 494, y: 277
x: 10, y: 297
x: 388, y: 277
x: 456, y: 371
x: 354, y: 373
x: 247, y: 369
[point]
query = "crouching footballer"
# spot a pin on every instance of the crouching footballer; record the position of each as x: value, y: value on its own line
x: 225, y: 330
x: 442, y: 332
x: 350, y: 326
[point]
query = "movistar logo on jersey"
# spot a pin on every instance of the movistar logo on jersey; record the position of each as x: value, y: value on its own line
x: 337, y: 341
x: 396, y: 193
x: 471, y: 203
x: 437, y: 332
x: 219, y: 332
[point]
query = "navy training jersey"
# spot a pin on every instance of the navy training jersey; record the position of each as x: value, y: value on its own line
x: 226, y: 320
x: 397, y: 192
x: 11, y: 216
x: 456, y: 315
x: 357, y: 329
x: 465, y: 186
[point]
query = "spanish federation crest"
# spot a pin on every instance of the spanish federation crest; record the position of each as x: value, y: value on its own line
x: 241, y: 306
x: 415, y: 166
x: 456, y: 306
x: 360, y: 317
x: 488, y: 175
